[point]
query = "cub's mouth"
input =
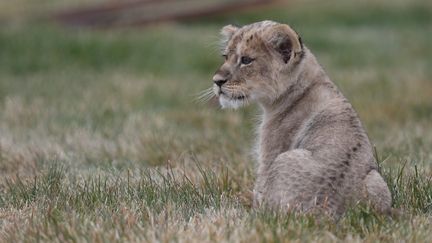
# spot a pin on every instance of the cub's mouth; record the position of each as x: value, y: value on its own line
x: 233, y: 101
x: 241, y: 97
x: 231, y: 97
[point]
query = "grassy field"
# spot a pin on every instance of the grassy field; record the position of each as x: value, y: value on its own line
x: 101, y: 138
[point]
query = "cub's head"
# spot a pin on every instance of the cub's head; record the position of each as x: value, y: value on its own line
x: 258, y: 57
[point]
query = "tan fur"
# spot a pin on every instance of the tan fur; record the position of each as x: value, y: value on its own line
x: 313, y: 152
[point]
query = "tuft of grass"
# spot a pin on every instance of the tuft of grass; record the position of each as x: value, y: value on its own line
x: 53, y: 195
x: 154, y: 188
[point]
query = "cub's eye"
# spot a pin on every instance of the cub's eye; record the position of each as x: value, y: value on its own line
x: 225, y: 57
x: 246, y: 60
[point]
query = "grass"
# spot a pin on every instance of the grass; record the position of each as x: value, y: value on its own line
x: 101, y: 140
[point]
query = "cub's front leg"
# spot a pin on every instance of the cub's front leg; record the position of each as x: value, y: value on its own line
x: 259, y: 188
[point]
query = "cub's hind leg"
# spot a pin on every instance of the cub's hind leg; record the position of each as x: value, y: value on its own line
x: 295, y: 180
x: 377, y: 192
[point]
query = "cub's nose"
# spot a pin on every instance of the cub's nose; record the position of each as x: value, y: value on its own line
x: 218, y: 80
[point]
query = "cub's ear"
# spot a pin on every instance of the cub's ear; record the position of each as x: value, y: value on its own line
x: 227, y: 32
x: 285, y: 41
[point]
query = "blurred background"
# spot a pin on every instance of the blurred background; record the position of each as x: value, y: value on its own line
x: 113, y: 83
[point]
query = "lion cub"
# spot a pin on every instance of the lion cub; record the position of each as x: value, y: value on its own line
x: 313, y: 152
